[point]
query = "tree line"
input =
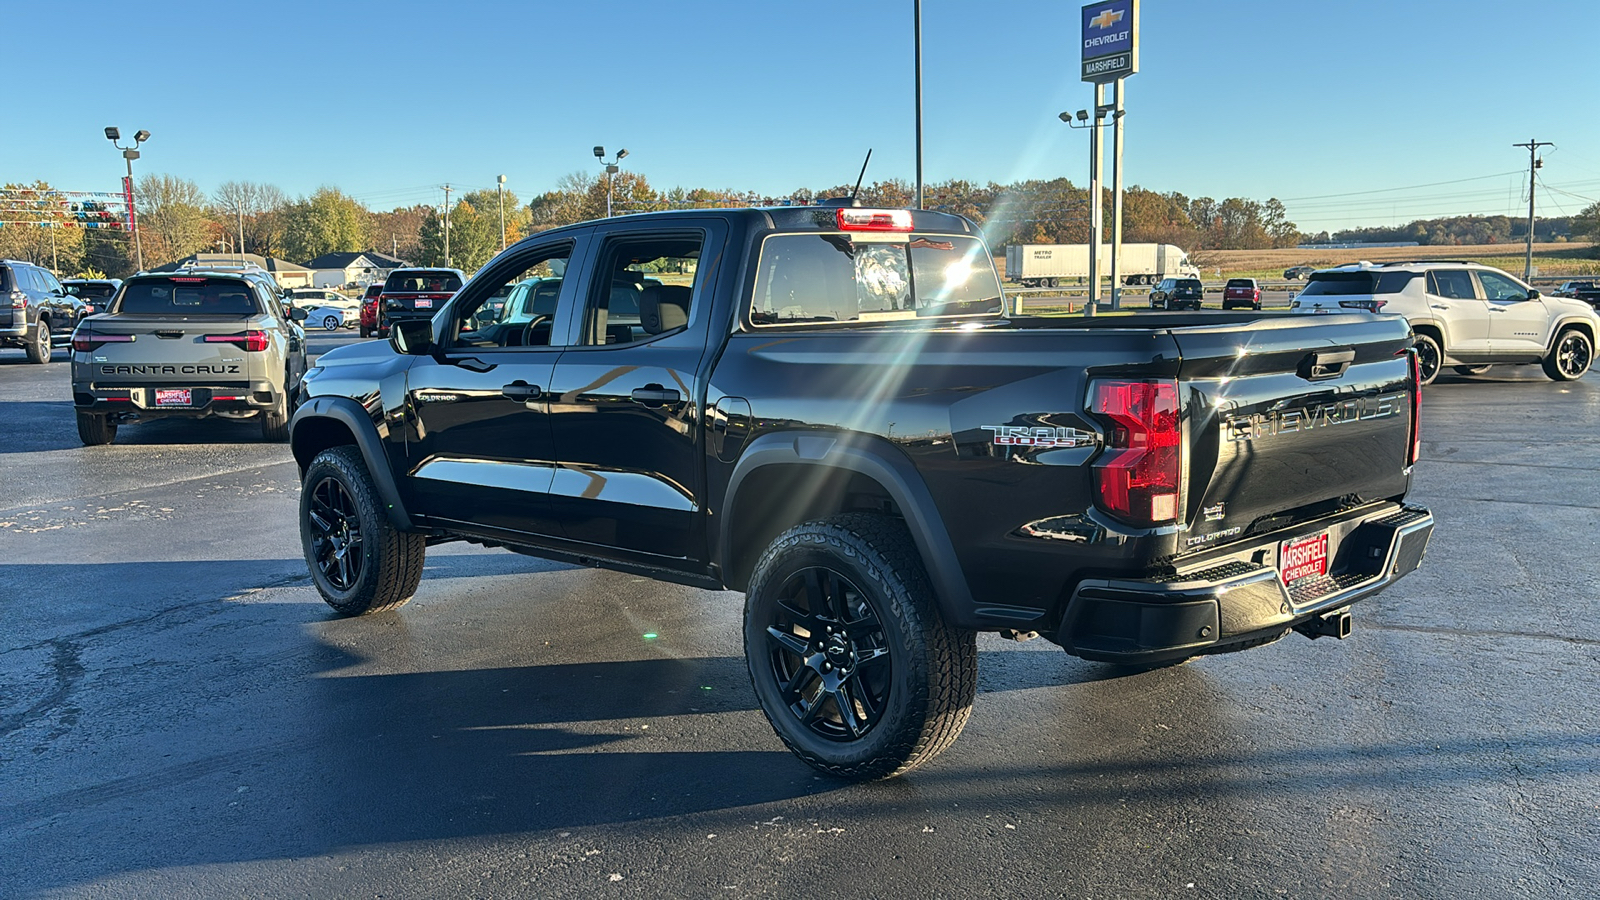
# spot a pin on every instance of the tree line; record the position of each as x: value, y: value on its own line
x: 177, y: 219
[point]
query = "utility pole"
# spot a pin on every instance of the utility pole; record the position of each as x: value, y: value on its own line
x: 500, y: 186
x: 1534, y: 164
x: 916, y: 17
x: 240, y: 210
x: 447, y: 224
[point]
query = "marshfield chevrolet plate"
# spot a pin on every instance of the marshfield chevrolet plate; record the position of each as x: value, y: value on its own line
x: 1303, y: 558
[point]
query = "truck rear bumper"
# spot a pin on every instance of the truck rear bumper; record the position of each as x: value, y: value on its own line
x: 235, y: 400
x: 1241, y: 602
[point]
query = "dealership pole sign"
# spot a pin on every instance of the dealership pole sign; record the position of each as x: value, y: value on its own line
x: 1110, y: 40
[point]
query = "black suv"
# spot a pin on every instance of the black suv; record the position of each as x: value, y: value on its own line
x: 36, y: 312
x: 1177, y: 293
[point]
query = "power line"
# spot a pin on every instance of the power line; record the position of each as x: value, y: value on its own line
x: 1408, y: 187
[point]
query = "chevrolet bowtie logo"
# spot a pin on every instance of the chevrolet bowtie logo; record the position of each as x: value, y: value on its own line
x: 1107, y: 18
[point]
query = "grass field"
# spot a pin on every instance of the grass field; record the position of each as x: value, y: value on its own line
x: 1551, y: 260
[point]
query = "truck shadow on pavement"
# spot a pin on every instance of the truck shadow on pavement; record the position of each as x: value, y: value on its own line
x: 37, y: 425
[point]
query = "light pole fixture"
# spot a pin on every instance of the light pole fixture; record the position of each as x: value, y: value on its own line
x: 611, y: 171
x: 129, y: 154
x: 500, y: 187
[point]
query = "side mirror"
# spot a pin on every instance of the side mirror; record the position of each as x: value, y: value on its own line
x: 411, y: 337
x: 1533, y: 294
x: 296, y: 314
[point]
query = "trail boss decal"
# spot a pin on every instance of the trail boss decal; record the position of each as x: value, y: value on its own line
x: 1040, y: 438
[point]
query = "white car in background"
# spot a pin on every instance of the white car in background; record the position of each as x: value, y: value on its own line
x: 331, y: 318
x: 1463, y: 314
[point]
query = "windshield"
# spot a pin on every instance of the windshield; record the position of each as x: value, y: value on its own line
x: 855, y: 278
x: 188, y: 297
x: 419, y: 282
x: 1349, y: 283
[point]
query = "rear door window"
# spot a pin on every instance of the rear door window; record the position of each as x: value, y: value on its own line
x: 1454, y: 284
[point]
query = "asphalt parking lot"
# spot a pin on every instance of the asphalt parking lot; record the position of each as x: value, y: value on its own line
x: 182, y: 716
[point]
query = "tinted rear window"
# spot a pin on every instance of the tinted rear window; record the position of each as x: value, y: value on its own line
x: 1347, y: 283
x: 422, y: 282
x: 836, y: 278
x: 199, y: 297
x: 93, y: 291
x: 5, y: 278
x: 1240, y: 283
x: 1188, y: 284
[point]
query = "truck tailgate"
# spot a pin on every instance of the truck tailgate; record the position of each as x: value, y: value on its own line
x: 171, y: 351
x: 1294, y: 423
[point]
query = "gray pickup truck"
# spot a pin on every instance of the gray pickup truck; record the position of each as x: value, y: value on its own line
x: 189, y: 344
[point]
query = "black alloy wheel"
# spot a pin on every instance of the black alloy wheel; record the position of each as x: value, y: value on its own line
x: 1429, y: 357
x: 848, y: 652
x: 359, y: 562
x: 335, y: 526
x: 1571, y: 357
x: 827, y: 650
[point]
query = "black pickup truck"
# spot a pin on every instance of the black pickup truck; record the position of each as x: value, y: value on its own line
x: 833, y: 410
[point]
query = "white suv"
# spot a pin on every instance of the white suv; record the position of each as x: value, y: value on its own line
x: 1463, y: 314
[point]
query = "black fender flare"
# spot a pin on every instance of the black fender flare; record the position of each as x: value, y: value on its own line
x: 875, y: 458
x: 358, y: 422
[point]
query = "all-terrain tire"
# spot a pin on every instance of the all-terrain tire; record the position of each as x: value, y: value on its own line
x: 1570, y: 357
x: 95, y: 429
x: 365, y: 331
x: 852, y: 588
x: 39, y: 349
x: 382, y: 565
x: 1430, y: 357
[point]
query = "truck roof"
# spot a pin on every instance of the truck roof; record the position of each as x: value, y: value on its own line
x: 817, y: 217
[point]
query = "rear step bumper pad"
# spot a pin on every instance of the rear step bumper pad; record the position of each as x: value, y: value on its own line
x: 1239, y: 604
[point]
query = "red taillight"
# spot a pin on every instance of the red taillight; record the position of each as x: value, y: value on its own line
x: 249, y: 340
x: 1137, y: 479
x: 187, y: 279
x: 855, y: 219
x: 87, y: 342
x: 1416, y: 409
x: 1368, y: 305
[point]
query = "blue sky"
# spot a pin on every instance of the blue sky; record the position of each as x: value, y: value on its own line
x: 1352, y: 112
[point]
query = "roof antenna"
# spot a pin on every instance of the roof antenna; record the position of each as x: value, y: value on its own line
x: 857, y: 190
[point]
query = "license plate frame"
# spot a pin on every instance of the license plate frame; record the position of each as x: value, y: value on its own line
x: 1303, y: 557
x: 174, y: 397
x: 424, y: 303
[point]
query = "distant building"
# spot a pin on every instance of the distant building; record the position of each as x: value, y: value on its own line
x: 335, y: 270
x: 287, y: 274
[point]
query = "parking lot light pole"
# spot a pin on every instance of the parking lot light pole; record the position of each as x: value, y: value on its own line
x: 611, y: 171
x: 500, y: 187
x: 129, y: 154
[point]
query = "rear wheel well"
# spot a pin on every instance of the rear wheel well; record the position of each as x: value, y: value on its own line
x: 775, y: 498
x: 1433, y: 332
x: 314, y: 435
